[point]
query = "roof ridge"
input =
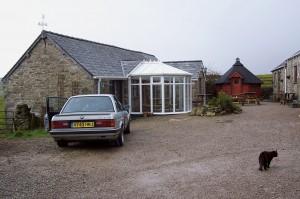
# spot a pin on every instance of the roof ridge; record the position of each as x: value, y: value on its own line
x: 182, y: 61
x: 131, y: 61
x: 296, y: 53
x: 94, y: 42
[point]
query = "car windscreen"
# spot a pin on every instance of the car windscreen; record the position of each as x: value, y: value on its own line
x: 89, y: 104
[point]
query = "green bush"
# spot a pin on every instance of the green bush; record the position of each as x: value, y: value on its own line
x: 224, y: 104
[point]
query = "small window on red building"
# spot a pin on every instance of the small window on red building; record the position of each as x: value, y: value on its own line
x: 236, y: 81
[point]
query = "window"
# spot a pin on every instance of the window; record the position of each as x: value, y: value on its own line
x: 157, y: 98
x: 135, y: 98
x: 178, y: 79
x: 179, y: 98
x: 236, y: 81
x: 146, y: 80
x: 168, y: 97
x: 156, y: 79
x: 89, y: 104
x: 295, y: 74
x: 146, y: 100
x: 135, y: 80
x: 168, y: 79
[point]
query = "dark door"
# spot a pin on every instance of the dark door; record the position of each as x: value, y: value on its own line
x: 116, y: 88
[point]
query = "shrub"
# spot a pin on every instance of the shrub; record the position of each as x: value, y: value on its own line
x: 224, y: 104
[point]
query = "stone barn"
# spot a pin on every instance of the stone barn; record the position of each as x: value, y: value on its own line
x: 239, y: 80
x: 60, y: 65
x: 286, y: 79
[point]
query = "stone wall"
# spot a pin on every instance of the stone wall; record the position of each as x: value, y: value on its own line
x: 278, y: 84
x: 293, y: 79
x: 46, y: 71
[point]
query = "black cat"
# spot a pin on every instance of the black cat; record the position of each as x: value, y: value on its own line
x: 265, y: 159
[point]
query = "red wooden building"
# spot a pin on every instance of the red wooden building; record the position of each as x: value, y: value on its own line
x: 238, y: 80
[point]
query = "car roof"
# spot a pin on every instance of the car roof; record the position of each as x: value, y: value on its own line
x: 93, y: 95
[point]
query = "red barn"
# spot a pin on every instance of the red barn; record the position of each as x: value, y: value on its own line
x: 238, y: 80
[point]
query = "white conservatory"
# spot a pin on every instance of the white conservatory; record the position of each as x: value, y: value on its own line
x: 158, y: 88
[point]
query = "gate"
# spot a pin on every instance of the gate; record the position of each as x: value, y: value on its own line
x: 7, y: 122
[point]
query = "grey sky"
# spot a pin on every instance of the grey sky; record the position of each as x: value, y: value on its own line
x: 261, y: 32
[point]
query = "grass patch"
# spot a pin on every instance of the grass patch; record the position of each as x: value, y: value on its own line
x: 38, y: 133
x: 267, y: 80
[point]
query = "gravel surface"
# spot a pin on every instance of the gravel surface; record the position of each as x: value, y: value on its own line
x: 176, y: 156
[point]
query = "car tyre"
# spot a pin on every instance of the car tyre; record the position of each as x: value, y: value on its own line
x: 62, y: 143
x: 127, y: 130
x: 120, y: 139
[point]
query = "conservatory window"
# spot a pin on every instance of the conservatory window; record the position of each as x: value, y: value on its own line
x: 135, y: 98
x: 157, y: 105
x: 179, y: 97
x: 161, y: 94
x: 156, y: 79
x: 168, y: 97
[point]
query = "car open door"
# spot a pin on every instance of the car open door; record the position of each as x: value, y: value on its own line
x: 53, y: 107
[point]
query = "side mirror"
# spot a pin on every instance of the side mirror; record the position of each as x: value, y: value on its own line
x: 127, y: 107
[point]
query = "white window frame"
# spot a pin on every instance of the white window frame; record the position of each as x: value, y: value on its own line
x: 162, y: 83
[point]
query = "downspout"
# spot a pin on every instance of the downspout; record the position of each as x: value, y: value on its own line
x: 285, y: 86
x: 129, y: 94
x: 99, y: 86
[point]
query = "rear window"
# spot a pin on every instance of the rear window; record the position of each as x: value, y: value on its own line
x: 89, y: 104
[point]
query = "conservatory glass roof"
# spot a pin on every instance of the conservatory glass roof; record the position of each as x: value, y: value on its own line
x: 156, y: 68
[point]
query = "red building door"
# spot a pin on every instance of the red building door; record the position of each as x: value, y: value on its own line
x: 236, y: 86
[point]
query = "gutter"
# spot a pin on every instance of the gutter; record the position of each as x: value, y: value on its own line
x: 110, y: 77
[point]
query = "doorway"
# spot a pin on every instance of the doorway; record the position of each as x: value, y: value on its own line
x: 236, y: 86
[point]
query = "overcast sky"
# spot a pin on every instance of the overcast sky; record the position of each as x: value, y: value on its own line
x: 261, y: 32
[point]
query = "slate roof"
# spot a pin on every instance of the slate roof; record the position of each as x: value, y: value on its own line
x: 248, y: 77
x: 96, y: 58
x: 280, y: 66
x: 99, y: 59
x: 194, y: 67
x: 295, y: 54
x: 102, y: 60
x: 128, y: 66
x: 283, y: 64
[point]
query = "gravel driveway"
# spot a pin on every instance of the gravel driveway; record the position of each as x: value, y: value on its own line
x: 164, y: 157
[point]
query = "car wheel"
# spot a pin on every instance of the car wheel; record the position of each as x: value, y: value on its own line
x: 127, y: 130
x: 62, y: 143
x: 120, y: 139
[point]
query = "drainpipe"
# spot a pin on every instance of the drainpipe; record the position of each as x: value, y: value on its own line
x: 285, y: 86
x: 129, y: 94
x: 99, y: 86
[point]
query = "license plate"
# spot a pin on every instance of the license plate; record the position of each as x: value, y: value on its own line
x: 83, y: 124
